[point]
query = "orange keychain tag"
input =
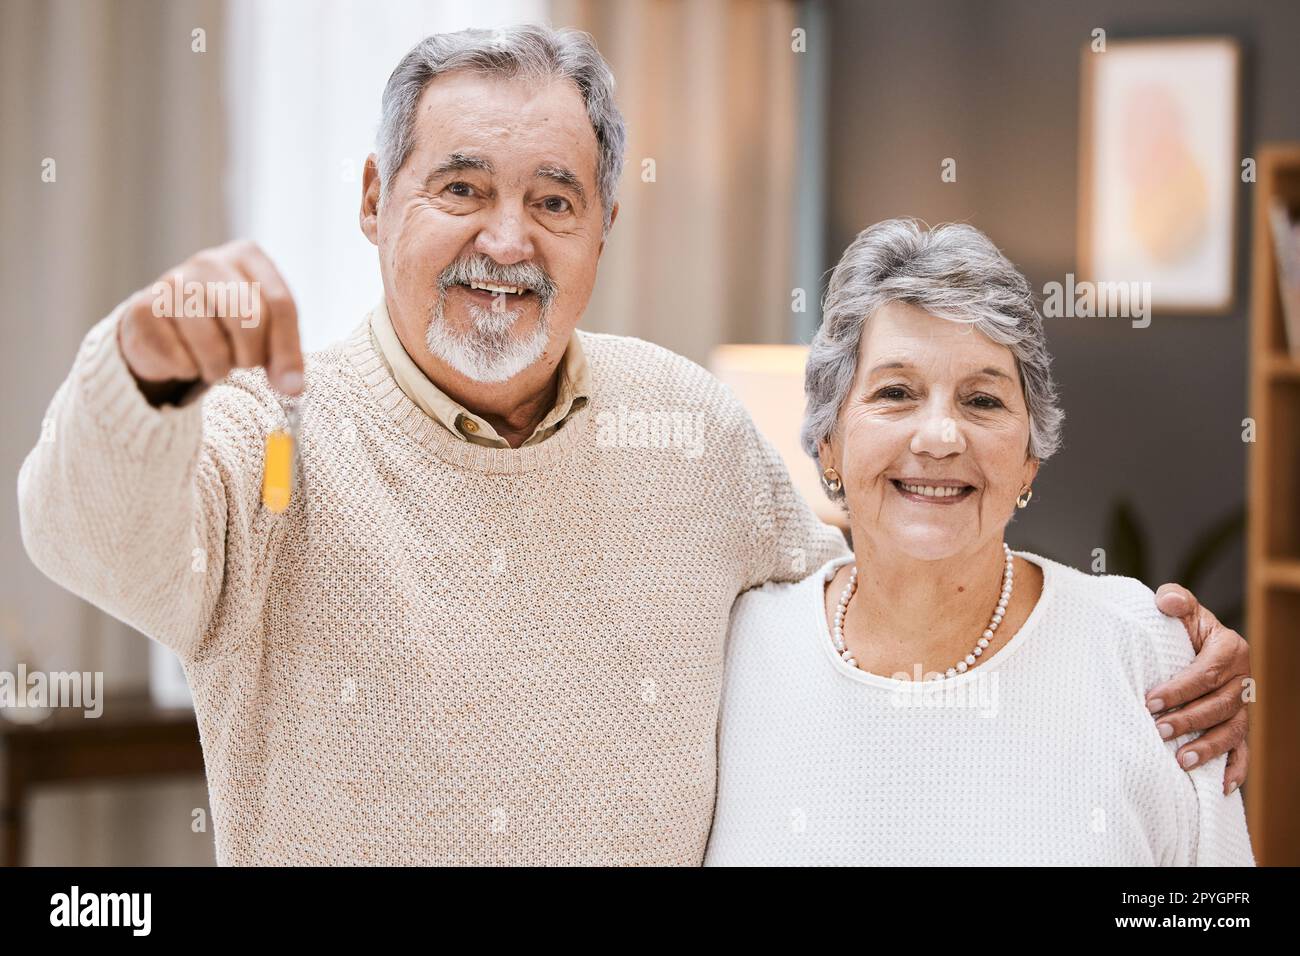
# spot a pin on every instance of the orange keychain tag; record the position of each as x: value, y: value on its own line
x: 278, y: 464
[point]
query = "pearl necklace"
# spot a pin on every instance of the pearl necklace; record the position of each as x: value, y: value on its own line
x: 962, y: 665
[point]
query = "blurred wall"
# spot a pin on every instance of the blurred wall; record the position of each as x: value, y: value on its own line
x: 131, y: 114
x: 1152, y: 414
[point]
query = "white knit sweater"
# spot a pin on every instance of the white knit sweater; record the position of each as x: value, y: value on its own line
x: 441, y: 652
x: 1043, y: 754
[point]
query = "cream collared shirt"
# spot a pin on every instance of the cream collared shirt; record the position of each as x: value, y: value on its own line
x: 574, y: 391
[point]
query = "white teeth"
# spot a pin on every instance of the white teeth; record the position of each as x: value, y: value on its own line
x: 493, y: 287
x: 932, y: 491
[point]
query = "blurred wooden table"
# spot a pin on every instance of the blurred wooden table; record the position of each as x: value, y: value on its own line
x: 132, y: 740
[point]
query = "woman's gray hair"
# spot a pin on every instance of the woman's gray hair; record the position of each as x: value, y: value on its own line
x: 952, y: 271
x: 531, y: 52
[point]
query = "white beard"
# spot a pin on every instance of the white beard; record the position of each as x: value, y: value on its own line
x: 489, y: 352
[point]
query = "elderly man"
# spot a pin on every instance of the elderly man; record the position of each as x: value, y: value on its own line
x: 485, y: 629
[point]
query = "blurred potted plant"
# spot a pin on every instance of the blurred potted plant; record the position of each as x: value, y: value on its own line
x: 1127, y: 553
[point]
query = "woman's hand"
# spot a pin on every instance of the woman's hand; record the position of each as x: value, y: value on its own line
x: 1211, y: 693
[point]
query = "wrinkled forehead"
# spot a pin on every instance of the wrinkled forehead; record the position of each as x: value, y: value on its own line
x: 901, y: 335
x: 515, y: 123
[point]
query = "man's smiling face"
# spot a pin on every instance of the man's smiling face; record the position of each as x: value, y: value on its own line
x: 490, y: 233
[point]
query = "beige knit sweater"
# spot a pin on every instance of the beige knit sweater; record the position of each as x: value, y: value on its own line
x: 440, y: 653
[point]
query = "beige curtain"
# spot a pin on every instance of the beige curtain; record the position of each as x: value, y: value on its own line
x: 701, y: 255
x: 130, y: 114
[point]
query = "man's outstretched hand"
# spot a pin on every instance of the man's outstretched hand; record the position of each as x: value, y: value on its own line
x: 1209, y: 695
x: 223, y: 308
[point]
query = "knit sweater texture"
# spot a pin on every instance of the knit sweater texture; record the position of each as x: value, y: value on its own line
x: 440, y: 653
x: 1042, y: 754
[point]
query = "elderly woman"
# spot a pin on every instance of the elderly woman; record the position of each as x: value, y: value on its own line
x: 938, y: 698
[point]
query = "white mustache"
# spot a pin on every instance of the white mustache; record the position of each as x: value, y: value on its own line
x: 482, y: 269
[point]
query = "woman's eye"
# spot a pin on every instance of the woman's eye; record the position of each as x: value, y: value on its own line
x: 892, y: 392
x: 556, y: 204
x: 985, y: 401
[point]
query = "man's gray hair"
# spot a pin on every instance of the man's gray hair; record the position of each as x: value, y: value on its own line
x: 530, y: 52
x: 952, y: 271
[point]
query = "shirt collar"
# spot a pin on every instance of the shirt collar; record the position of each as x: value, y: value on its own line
x: 573, y: 393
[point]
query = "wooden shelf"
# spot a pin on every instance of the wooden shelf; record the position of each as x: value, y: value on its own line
x: 1282, y: 368
x: 1283, y: 575
x: 133, y: 740
x: 1273, y: 535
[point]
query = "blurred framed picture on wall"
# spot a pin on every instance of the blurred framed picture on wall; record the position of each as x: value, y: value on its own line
x: 1159, y: 166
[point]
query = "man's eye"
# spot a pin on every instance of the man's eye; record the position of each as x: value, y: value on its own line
x: 556, y: 204
x: 460, y: 189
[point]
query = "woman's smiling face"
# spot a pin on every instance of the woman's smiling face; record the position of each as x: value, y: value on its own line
x: 932, y: 442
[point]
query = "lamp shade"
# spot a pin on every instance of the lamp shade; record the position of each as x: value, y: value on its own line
x: 768, y: 380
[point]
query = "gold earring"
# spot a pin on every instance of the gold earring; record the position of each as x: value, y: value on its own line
x: 1023, y: 500
x: 832, y: 479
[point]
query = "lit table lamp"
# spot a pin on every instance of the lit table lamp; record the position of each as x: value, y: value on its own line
x: 768, y: 380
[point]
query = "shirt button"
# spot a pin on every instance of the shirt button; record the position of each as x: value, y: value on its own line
x: 469, y: 425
